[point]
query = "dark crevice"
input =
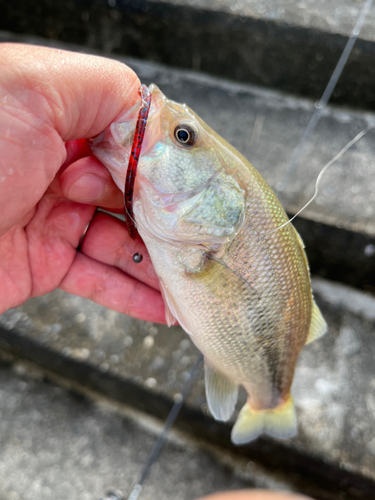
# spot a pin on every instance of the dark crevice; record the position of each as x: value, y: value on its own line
x: 337, y: 254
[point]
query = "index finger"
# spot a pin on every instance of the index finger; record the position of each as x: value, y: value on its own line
x: 107, y: 240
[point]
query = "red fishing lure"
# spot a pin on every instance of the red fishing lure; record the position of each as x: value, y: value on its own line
x: 134, y: 158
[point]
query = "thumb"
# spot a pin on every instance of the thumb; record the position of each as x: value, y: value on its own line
x: 48, y: 97
x: 79, y: 94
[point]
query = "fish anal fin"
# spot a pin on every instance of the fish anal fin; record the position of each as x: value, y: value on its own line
x: 318, y: 325
x: 221, y: 393
x: 279, y: 422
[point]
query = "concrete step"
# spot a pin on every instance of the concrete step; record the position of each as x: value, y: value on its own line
x: 291, y: 46
x: 145, y: 366
x: 57, y: 442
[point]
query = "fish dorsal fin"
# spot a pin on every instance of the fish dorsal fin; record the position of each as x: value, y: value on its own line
x: 300, y: 240
x: 221, y: 393
x: 302, y: 245
x: 279, y: 422
x: 318, y: 325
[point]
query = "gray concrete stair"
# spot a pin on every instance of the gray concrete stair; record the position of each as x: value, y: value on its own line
x: 145, y: 366
x: 57, y: 442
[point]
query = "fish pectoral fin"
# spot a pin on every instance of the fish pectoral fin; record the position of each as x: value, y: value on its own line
x: 221, y: 393
x: 318, y: 325
x: 279, y: 422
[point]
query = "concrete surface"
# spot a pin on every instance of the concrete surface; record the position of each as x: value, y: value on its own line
x: 145, y: 365
x: 56, y: 443
x: 290, y: 45
x: 323, y: 15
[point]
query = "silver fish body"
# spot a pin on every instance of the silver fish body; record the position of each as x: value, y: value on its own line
x: 235, y: 281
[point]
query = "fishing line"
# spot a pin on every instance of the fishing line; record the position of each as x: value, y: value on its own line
x: 296, y: 155
x: 137, y: 488
x: 320, y: 176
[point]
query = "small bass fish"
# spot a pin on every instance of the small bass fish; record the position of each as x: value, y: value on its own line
x: 234, y: 280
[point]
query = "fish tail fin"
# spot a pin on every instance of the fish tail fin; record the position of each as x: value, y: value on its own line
x: 279, y: 422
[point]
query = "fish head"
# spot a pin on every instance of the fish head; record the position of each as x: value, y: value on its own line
x: 188, y: 181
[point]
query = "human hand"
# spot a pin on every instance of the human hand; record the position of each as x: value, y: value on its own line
x: 50, y: 100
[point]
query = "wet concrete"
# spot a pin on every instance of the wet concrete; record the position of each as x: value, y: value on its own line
x: 145, y: 365
x: 57, y: 443
x: 324, y: 15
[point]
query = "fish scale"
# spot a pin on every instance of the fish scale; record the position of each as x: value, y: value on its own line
x: 236, y: 280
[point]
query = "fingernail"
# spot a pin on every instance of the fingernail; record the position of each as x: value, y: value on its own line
x: 87, y: 188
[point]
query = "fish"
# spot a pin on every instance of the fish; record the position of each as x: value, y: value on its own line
x: 233, y: 273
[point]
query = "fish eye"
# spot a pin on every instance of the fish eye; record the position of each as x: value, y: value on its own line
x: 185, y: 134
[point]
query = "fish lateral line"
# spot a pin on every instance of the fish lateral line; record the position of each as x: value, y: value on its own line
x: 322, y: 172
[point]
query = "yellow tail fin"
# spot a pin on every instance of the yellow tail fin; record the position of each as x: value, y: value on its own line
x: 280, y: 422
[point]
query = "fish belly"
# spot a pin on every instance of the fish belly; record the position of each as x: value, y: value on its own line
x: 239, y: 328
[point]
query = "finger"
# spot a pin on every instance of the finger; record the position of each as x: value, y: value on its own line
x: 112, y: 288
x: 53, y: 235
x: 75, y: 150
x: 107, y: 240
x: 48, y: 97
x: 88, y: 181
x: 79, y: 94
x: 256, y: 495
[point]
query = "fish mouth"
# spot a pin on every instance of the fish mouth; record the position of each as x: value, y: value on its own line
x: 113, y: 146
x: 120, y: 133
x: 158, y: 100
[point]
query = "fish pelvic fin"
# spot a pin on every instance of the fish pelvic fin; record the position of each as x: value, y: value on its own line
x: 172, y: 312
x: 170, y: 316
x: 318, y: 325
x: 221, y: 393
x: 279, y: 422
